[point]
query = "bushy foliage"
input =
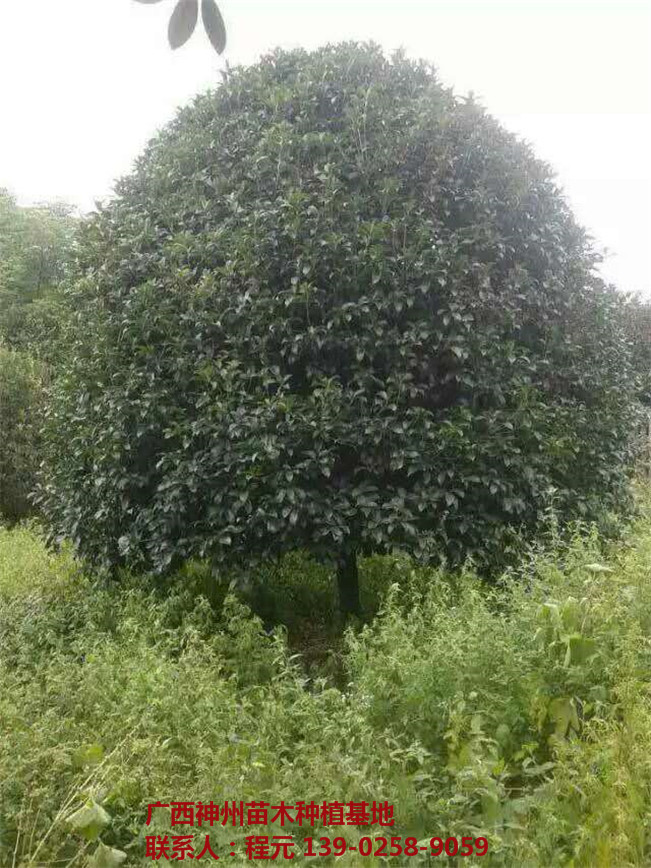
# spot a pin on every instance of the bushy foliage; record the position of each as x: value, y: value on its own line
x: 523, y: 716
x: 337, y: 308
x: 21, y: 404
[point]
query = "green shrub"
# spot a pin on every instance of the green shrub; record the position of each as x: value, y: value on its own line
x: 522, y: 715
x: 20, y: 410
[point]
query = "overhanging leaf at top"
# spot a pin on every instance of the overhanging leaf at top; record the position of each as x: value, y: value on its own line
x: 214, y: 25
x: 184, y: 21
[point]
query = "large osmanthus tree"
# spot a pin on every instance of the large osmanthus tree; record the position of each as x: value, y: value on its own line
x: 334, y: 307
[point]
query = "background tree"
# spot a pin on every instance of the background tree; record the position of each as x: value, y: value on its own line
x: 21, y: 396
x: 36, y: 248
x: 638, y: 324
x: 335, y: 307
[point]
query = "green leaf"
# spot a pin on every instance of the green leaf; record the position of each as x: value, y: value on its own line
x: 214, y: 26
x: 89, y: 820
x: 490, y: 808
x: 183, y: 21
x: 106, y: 857
x: 580, y: 649
x: 562, y: 712
x: 571, y: 614
x: 88, y: 755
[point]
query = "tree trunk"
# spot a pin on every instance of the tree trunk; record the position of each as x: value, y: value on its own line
x: 348, y: 584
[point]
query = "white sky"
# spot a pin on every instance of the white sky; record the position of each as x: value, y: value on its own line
x: 85, y: 83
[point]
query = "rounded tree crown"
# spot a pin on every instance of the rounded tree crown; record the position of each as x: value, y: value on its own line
x: 335, y: 306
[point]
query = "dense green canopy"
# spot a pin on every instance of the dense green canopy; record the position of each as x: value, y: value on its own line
x: 334, y: 307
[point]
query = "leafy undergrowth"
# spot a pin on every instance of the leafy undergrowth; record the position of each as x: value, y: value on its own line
x: 520, y: 713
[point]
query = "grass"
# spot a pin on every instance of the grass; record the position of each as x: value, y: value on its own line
x: 519, y: 712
